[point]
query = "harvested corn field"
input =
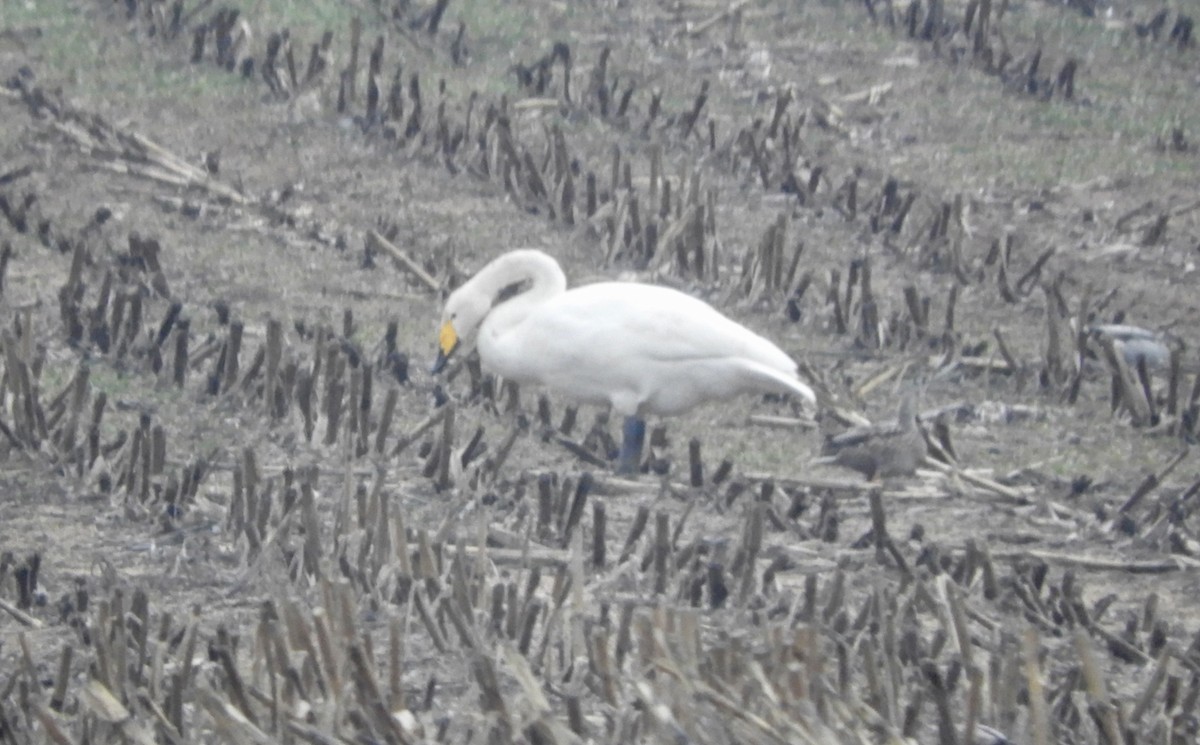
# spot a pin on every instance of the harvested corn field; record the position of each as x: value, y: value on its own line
x: 236, y: 506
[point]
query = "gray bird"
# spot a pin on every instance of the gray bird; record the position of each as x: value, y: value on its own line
x: 1135, y: 343
x: 882, y: 450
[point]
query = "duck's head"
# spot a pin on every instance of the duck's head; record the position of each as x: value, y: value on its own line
x: 461, y: 318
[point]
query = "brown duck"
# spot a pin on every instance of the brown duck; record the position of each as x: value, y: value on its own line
x: 882, y: 450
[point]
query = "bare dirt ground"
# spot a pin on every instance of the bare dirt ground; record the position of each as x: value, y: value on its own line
x: 282, y: 535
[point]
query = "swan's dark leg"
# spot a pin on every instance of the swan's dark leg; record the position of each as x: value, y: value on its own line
x: 631, y: 445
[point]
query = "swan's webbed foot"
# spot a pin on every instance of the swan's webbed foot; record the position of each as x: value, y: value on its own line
x: 634, y: 437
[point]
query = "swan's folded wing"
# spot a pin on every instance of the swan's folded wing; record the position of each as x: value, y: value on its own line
x: 662, y: 348
x: 655, y: 323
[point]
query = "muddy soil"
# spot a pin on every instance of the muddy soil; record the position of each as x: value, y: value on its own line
x: 1024, y: 174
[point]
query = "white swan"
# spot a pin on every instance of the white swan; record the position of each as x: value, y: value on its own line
x: 643, y: 349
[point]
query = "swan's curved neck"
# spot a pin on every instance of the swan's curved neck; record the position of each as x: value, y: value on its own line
x: 544, y: 275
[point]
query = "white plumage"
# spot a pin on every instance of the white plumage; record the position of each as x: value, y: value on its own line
x: 643, y: 349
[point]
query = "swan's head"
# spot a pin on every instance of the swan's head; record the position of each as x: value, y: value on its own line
x: 461, y: 319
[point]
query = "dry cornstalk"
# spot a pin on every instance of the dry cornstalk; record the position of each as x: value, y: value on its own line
x: 698, y: 29
x: 375, y: 241
x: 20, y: 616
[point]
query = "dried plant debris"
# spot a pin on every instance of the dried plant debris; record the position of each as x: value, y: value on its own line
x: 231, y: 511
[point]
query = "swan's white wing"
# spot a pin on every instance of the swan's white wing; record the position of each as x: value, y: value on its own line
x: 656, y: 322
x: 641, y: 347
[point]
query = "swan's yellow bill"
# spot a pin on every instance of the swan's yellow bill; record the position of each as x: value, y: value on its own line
x: 447, y: 338
x: 447, y: 343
